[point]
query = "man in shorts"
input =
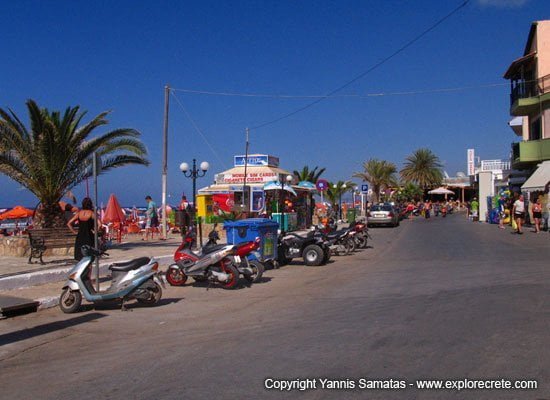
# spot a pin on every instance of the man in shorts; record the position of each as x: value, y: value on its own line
x: 152, y: 221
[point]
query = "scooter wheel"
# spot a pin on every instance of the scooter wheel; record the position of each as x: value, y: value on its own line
x: 233, y: 273
x: 70, y: 301
x: 175, y: 276
x: 258, y: 270
x: 155, y: 295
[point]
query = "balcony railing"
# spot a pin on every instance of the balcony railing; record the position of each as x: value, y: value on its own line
x: 494, y: 165
x: 525, y: 89
x: 531, y: 151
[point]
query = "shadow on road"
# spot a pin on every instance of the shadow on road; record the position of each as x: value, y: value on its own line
x: 44, y: 329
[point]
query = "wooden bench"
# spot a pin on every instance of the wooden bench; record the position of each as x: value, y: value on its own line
x: 49, y: 238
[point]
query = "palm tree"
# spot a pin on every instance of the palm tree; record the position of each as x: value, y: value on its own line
x: 380, y: 174
x: 54, y: 154
x: 335, y: 190
x: 423, y: 167
x: 308, y: 175
x: 409, y: 192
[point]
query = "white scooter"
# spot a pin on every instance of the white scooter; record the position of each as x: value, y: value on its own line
x: 137, y: 279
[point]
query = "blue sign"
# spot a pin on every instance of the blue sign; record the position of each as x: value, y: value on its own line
x: 321, y: 185
x: 257, y: 160
x: 364, y: 188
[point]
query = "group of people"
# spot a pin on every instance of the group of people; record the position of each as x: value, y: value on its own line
x: 428, y: 208
x: 518, y: 211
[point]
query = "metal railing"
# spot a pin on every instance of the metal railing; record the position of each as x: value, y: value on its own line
x: 494, y: 165
x: 523, y: 89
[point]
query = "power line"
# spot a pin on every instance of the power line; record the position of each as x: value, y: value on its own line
x: 357, y: 96
x: 363, y: 74
x: 198, y: 129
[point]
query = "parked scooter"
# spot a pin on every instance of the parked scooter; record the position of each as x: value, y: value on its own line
x: 248, y: 266
x: 137, y: 279
x: 215, y: 264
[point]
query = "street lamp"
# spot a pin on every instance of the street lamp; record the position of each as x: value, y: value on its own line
x: 194, y: 173
x: 343, y: 187
x: 288, y: 179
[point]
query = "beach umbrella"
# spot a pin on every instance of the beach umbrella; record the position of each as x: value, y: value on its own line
x: 274, y: 185
x: 113, y: 211
x: 307, y: 185
x: 17, y: 212
x: 441, y: 190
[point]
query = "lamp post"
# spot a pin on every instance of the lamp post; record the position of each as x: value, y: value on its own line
x: 343, y: 187
x: 288, y: 179
x: 194, y: 173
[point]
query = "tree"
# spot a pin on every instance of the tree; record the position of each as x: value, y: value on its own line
x: 380, y: 174
x: 424, y: 168
x: 409, y: 192
x: 54, y: 154
x: 335, y: 190
x: 308, y: 175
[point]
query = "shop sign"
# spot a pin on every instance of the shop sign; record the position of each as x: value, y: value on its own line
x: 252, y: 177
x: 257, y: 160
x: 471, y: 165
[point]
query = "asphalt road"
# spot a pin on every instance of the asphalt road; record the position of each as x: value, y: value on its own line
x: 443, y: 299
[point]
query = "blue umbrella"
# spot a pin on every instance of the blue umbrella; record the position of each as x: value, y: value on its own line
x: 274, y: 185
x: 307, y: 185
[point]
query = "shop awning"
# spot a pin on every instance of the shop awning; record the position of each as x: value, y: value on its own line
x: 539, y: 178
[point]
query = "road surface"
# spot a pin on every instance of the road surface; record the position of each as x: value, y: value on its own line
x: 438, y: 299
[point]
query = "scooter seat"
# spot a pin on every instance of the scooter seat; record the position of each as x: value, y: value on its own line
x: 130, y: 265
x: 213, y: 248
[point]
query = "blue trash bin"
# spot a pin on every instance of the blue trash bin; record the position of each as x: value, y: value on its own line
x: 247, y: 230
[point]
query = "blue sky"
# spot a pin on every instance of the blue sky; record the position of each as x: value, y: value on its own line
x: 105, y: 55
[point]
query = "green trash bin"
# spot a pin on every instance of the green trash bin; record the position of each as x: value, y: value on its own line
x: 351, y: 214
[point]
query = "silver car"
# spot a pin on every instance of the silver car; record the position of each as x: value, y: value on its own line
x: 383, y: 214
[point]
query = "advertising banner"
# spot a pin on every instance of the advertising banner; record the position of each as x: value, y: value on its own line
x: 223, y: 202
x: 257, y: 201
x: 471, y: 162
x: 257, y: 160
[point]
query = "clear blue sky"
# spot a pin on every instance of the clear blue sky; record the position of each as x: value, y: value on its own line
x: 105, y: 55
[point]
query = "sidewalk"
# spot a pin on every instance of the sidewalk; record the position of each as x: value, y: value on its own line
x: 16, y: 273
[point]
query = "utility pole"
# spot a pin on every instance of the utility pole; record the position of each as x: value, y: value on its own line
x: 165, y: 157
x: 96, y: 166
x: 244, y: 202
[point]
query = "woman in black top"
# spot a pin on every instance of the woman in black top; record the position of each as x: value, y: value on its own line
x: 85, y: 235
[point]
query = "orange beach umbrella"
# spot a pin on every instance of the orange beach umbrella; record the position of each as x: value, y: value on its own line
x: 113, y: 211
x: 17, y: 212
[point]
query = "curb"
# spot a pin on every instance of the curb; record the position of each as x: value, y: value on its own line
x: 22, y: 281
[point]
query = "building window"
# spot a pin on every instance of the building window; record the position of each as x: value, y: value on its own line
x: 535, y: 130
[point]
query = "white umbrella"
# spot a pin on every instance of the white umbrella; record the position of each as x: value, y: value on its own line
x: 277, y: 186
x: 441, y: 190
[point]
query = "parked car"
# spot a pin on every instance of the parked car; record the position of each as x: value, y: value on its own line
x: 383, y: 214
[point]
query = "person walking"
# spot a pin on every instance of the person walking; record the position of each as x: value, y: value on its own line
x: 185, y: 208
x: 152, y: 218
x: 518, y: 211
x: 474, y: 206
x: 85, y: 234
x: 537, y: 214
x: 501, y: 211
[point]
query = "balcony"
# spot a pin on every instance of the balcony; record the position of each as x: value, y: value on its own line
x: 526, y: 96
x: 525, y: 154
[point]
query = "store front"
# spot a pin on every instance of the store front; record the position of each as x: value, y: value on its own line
x: 248, y: 191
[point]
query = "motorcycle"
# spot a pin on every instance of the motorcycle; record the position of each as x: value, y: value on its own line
x: 362, y: 234
x: 338, y: 242
x: 137, y: 279
x: 244, y: 260
x: 215, y: 264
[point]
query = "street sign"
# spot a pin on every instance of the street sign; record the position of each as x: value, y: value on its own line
x: 322, y: 185
x: 364, y: 188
